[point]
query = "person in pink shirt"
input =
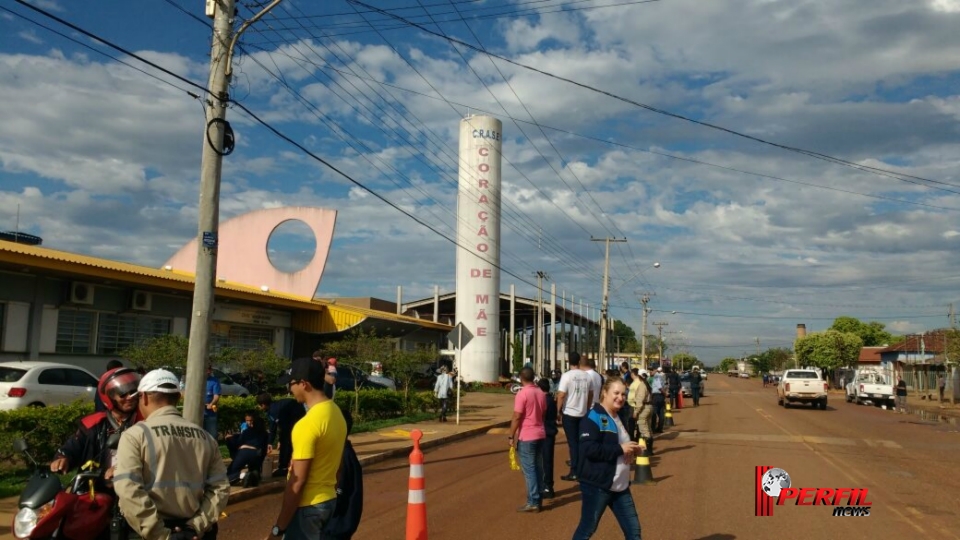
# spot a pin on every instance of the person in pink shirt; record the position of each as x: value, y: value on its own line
x: 528, y: 433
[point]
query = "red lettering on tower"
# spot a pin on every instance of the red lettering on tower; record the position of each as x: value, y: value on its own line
x: 485, y: 184
x: 481, y: 330
x: 483, y: 167
x: 482, y: 315
x: 483, y: 299
x: 484, y: 152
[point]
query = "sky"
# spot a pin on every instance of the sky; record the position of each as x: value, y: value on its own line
x: 786, y: 162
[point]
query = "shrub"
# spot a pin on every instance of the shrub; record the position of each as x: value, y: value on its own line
x: 44, y: 428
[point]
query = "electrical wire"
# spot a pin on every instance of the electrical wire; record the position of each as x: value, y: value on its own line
x: 810, y: 153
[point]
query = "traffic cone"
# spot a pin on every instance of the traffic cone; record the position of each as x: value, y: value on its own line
x: 642, y: 473
x: 417, y: 496
x: 669, y: 418
x: 679, y: 400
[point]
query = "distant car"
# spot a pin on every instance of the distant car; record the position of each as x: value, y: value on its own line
x: 802, y: 386
x: 42, y: 384
x: 744, y: 375
x: 351, y: 377
x: 228, y: 386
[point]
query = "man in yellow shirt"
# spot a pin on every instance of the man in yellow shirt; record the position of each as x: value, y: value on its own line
x: 318, y: 438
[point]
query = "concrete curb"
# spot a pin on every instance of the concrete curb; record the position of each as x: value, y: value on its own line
x: 276, y: 485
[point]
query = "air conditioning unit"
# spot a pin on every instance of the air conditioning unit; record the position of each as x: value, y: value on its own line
x: 81, y: 293
x: 141, y: 301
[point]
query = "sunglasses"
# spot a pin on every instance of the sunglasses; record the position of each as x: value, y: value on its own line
x: 291, y: 383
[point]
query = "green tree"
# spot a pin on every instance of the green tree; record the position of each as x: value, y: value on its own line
x: 777, y: 359
x: 687, y: 361
x: 517, y: 359
x: 161, y: 351
x: 624, y: 338
x: 828, y: 350
x: 761, y: 364
x: 727, y: 364
x: 404, y: 366
x: 872, y: 334
x: 262, y: 358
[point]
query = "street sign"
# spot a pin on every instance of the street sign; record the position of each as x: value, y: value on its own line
x: 459, y: 336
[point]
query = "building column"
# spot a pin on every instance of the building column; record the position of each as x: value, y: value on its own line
x: 553, y: 328
x: 35, y: 329
x: 513, y: 329
x: 436, y: 303
x: 524, y: 343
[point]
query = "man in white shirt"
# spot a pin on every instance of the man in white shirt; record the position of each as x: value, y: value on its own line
x: 573, y: 403
x: 596, y: 380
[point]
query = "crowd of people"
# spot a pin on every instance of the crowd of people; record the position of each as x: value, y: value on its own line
x: 168, y: 474
x: 608, y: 421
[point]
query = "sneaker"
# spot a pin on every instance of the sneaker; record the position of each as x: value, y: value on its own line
x: 569, y: 478
x: 547, y: 494
x: 529, y: 508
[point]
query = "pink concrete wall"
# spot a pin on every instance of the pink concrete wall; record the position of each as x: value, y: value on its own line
x: 242, y: 256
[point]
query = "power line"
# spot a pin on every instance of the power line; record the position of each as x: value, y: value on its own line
x: 264, y: 124
x: 631, y: 147
x: 816, y: 155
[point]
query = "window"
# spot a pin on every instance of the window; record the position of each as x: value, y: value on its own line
x: 74, y: 331
x: 75, y: 377
x: 116, y: 332
x: 801, y: 375
x: 9, y: 375
x: 54, y: 376
x: 243, y: 338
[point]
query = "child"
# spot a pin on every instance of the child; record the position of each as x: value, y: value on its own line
x: 346, y: 516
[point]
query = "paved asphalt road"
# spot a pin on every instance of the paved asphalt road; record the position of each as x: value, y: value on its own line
x: 705, y: 468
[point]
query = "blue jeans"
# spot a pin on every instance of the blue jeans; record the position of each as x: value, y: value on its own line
x: 531, y: 462
x: 594, y: 501
x: 308, y: 521
x: 210, y: 424
x: 571, y: 428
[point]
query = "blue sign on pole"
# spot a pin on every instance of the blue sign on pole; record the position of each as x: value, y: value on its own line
x: 209, y: 240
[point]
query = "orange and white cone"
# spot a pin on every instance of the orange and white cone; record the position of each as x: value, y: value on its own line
x: 679, y: 400
x: 417, y: 496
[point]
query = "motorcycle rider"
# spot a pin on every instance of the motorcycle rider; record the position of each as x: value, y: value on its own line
x: 117, y: 389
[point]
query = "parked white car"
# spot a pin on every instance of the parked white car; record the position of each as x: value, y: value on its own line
x: 870, y: 386
x: 43, y: 384
x: 228, y: 387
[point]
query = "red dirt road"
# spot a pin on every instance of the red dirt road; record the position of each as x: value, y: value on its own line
x: 705, y: 468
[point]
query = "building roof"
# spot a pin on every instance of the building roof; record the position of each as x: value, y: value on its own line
x: 930, y: 343
x: 870, y: 355
x: 329, y: 317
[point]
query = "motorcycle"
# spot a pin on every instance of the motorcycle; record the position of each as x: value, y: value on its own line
x: 515, y: 384
x: 79, y: 511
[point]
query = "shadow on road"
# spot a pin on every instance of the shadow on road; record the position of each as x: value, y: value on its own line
x: 428, y: 461
x: 674, y: 449
x: 717, y: 537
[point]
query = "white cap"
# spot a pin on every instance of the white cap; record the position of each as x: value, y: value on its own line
x: 156, y: 380
x: 643, y: 372
x: 659, y: 369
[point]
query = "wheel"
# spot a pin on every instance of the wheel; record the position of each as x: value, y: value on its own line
x: 36, y: 404
x: 823, y: 405
x: 849, y: 398
x: 781, y: 402
x: 514, y: 388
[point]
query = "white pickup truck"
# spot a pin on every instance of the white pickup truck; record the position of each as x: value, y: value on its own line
x: 872, y: 387
x: 802, y: 386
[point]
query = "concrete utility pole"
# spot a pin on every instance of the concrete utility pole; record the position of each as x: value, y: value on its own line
x: 215, y: 128
x: 605, y: 306
x: 660, y: 326
x: 644, y: 299
x: 538, y: 351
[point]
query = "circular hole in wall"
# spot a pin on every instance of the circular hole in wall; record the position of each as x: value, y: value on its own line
x: 291, y: 246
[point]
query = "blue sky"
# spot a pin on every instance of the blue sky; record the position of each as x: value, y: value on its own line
x: 752, y: 239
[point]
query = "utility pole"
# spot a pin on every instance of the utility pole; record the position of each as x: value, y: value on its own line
x: 605, y: 306
x: 539, y: 357
x: 644, y: 299
x: 216, y: 129
x: 660, y: 326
